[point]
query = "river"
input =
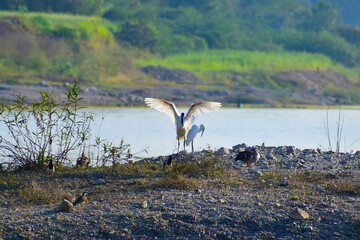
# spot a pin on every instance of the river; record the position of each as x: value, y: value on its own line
x: 304, y: 128
x: 153, y: 131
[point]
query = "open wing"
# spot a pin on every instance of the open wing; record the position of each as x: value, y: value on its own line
x: 200, y: 108
x: 163, y: 106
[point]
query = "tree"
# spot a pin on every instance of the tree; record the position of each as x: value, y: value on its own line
x: 142, y: 35
x: 322, y: 17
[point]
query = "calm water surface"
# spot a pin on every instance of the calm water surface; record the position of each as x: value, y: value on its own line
x: 154, y: 131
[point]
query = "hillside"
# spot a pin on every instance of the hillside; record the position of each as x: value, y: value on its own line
x: 243, y: 51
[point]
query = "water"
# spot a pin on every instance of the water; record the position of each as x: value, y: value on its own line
x: 151, y: 130
x: 303, y: 128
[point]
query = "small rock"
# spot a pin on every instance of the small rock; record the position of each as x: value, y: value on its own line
x: 308, y: 228
x: 65, y: 206
x: 145, y: 204
x: 330, y: 176
x: 239, y: 147
x: 199, y: 191
x: 320, y: 188
x: 299, y: 214
x: 258, y: 174
x: 343, y: 162
x: 43, y: 84
x: 269, y: 182
x: 222, y: 201
x: 284, y: 183
x: 99, y: 181
x: 291, y: 150
x: 223, y: 151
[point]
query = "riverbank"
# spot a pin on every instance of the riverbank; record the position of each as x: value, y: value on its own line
x: 181, y: 95
x: 205, y: 195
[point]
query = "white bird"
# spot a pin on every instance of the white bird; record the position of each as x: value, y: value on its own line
x: 195, y: 129
x: 182, y: 122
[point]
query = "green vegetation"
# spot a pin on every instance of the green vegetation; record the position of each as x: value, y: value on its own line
x: 58, y: 130
x: 241, y: 61
x: 225, y: 43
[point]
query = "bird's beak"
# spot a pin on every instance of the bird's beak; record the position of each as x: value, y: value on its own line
x: 202, y: 132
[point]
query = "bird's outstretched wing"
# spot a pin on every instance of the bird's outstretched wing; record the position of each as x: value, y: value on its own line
x: 163, y: 106
x: 197, y: 109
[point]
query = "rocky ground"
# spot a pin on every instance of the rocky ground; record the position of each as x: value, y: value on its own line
x: 288, y: 194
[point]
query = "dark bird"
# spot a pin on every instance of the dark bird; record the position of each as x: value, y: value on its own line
x: 81, y: 199
x: 182, y: 122
x: 82, y: 161
x: 168, y: 160
x: 249, y: 156
x: 50, y: 169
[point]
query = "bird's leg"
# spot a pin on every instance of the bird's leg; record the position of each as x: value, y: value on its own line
x: 178, y: 146
x: 184, y: 145
x: 248, y: 165
x: 192, y: 146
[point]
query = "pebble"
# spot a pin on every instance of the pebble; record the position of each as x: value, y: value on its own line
x: 269, y: 182
x: 299, y: 214
x: 145, y: 204
x: 308, y: 228
x: 330, y: 175
x: 223, y: 151
x: 65, y: 206
x: 320, y: 188
x: 99, y: 181
x: 258, y: 174
x: 284, y: 183
x: 239, y: 147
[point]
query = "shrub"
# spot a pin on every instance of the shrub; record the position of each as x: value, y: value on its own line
x: 43, y: 130
x: 330, y: 45
x: 142, y: 35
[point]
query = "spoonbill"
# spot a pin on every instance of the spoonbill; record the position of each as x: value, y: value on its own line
x: 182, y: 122
x: 249, y: 156
x: 194, y: 130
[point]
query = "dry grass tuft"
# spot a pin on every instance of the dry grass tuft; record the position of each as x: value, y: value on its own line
x: 344, y: 187
x: 44, y: 192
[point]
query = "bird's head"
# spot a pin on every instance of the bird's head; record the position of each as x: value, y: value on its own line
x: 203, y: 129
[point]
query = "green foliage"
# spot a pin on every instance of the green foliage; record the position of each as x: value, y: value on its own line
x: 324, y: 43
x: 241, y: 61
x: 350, y: 34
x: 142, y: 35
x: 61, y: 67
x: 41, y: 22
x: 43, y: 130
x: 87, y: 7
x: 322, y: 17
x: 114, y: 155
